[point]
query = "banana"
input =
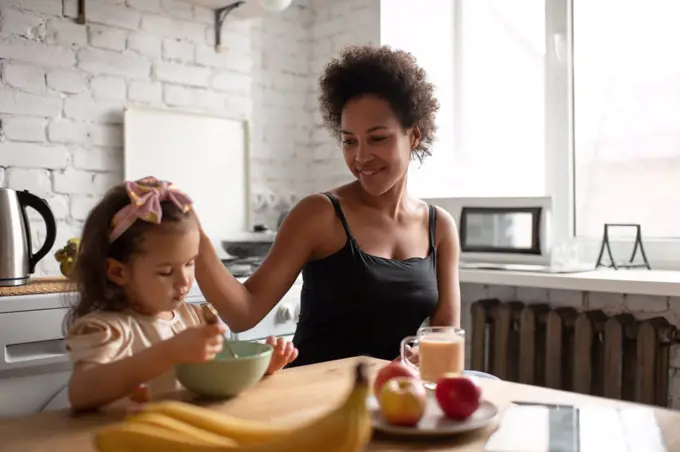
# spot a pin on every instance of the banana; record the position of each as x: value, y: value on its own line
x: 345, y: 429
x: 179, y: 427
x: 142, y: 437
x: 242, y: 431
x: 173, y: 425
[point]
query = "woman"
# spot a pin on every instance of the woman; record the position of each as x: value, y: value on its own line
x: 375, y: 261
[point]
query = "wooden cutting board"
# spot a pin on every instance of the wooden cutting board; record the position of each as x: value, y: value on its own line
x: 206, y: 156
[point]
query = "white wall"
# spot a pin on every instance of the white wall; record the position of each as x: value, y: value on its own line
x: 425, y: 29
x: 280, y: 50
x: 337, y: 24
x: 63, y: 87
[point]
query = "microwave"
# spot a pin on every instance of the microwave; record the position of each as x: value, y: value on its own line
x: 502, y: 232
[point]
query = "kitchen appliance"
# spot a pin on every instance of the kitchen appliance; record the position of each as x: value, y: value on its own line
x: 17, y: 260
x: 502, y: 230
x: 249, y: 245
x: 242, y: 267
x: 282, y: 217
x: 507, y: 233
x: 281, y: 321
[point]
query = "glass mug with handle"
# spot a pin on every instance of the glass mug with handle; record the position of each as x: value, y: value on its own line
x: 441, y: 350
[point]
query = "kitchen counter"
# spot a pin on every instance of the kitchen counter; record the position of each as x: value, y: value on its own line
x: 663, y: 283
x: 294, y: 396
x: 37, y: 302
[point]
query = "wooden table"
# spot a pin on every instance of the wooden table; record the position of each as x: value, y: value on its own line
x: 296, y: 395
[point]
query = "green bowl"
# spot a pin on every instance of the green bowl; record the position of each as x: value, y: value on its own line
x: 225, y: 376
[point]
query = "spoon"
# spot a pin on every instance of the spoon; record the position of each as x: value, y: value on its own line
x: 211, y: 319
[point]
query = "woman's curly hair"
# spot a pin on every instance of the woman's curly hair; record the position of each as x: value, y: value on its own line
x: 392, y: 75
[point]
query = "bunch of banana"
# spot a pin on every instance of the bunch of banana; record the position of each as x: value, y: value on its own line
x: 181, y: 427
x: 67, y: 256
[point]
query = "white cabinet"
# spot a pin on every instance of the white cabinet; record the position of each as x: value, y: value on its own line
x: 32, y: 393
x: 34, y: 366
x: 32, y: 339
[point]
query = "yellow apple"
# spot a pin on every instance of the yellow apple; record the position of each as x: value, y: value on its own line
x: 393, y: 369
x: 402, y: 401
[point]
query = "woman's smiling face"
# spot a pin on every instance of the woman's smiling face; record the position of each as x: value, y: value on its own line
x: 377, y: 149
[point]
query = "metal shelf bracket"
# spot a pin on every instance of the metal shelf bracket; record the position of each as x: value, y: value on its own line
x: 220, y: 16
x: 81, y: 19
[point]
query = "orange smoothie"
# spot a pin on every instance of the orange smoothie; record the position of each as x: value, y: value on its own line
x: 440, y: 354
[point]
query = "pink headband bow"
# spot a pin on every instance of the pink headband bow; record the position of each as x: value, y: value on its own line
x: 145, y: 203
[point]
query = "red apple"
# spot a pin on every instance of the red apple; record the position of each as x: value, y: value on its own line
x: 392, y: 370
x: 402, y: 401
x: 458, y: 397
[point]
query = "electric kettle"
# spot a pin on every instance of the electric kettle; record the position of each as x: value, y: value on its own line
x: 17, y: 260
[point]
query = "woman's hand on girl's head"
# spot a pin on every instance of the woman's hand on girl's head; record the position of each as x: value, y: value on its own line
x: 284, y: 353
x: 197, y: 344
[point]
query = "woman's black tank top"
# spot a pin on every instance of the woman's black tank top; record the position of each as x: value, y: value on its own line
x: 354, y: 303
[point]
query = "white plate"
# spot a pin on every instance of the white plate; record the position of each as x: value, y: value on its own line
x: 434, y: 422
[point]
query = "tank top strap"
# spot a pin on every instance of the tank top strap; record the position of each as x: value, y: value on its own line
x: 340, y: 215
x: 433, y: 224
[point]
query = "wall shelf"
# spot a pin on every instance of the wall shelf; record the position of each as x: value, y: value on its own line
x: 221, y: 9
x: 210, y: 4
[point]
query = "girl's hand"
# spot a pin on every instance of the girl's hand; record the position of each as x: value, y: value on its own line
x: 284, y: 353
x: 198, y: 344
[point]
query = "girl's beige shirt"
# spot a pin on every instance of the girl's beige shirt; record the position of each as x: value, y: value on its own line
x: 103, y: 337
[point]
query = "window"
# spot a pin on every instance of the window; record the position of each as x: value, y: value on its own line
x: 585, y: 97
x: 414, y: 27
x: 575, y: 99
x: 625, y: 125
x: 486, y: 58
x: 501, y: 97
x: 626, y: 72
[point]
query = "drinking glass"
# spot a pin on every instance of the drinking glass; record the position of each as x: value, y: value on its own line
x: 441, y: 350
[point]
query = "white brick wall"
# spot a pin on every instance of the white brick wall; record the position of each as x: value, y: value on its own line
x: 67, y: 81
x: 20, y: 128
x: 24, y: 77
x: 63, y: 87
x: 331, y: 31
x: 641, y: 306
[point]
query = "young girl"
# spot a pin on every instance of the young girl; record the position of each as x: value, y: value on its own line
x: 131, y: 324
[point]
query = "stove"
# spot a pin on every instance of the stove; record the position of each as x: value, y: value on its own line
x: 281, y: 321
x: 242, y: 267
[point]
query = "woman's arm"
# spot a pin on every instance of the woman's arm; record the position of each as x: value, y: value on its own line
x: 242, y: 306
x: 448, y: 250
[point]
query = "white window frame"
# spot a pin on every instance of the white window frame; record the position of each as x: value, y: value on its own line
x: 662, y: 254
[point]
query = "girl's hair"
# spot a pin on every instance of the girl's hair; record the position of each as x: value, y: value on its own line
x: 95, y: 291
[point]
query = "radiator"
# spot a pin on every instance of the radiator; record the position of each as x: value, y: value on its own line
x: 588, y: 352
